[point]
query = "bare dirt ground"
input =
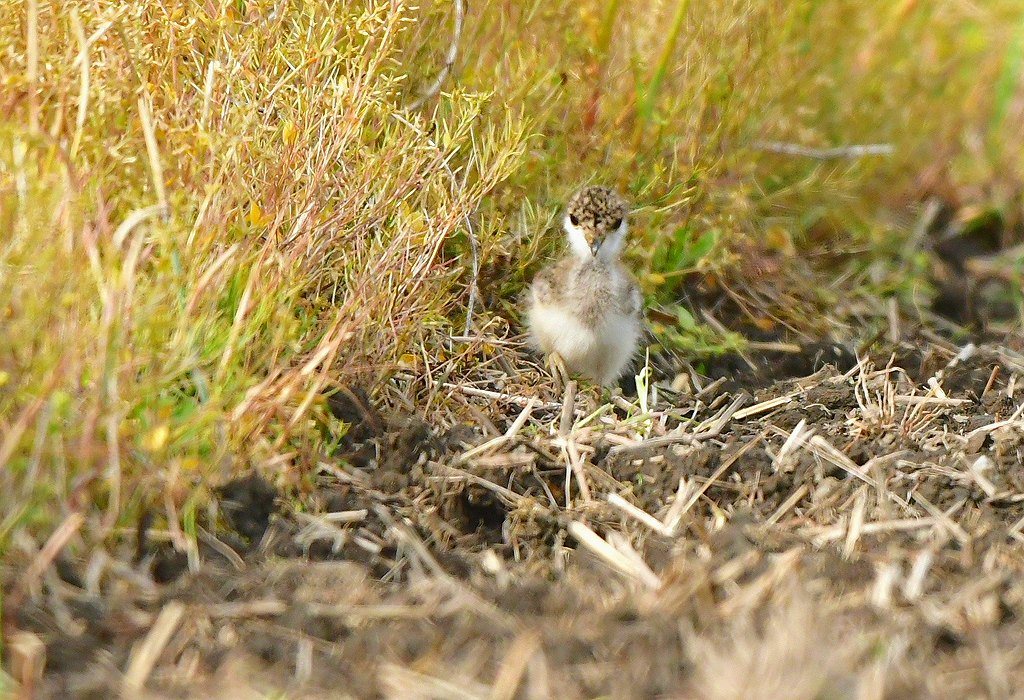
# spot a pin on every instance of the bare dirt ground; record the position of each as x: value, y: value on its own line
x: 850, y: 533
x: 817, y: 522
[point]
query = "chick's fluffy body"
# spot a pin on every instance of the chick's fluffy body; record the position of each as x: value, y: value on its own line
x: 586, y: 307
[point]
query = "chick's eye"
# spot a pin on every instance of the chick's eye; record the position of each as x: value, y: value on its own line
x: 574, y: 220
x: 616, y: 224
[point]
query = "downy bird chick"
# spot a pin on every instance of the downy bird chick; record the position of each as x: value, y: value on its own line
x: 585, y: 310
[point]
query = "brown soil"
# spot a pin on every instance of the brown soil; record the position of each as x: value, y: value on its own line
x: 880, y: 556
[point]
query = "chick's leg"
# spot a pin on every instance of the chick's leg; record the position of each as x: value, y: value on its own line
x: 556, y: 366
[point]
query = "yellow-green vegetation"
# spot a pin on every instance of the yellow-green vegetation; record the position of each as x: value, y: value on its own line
x: 212, y: 212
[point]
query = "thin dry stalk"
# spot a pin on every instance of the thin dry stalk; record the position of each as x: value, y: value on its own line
x: 32, y: 61
x: 54, y: 544
x: 514, y: 666
x: 576, y: 468
x: 501, y: 440
x: 943, y: 520
x: 628, y: 566
x: 824, y: 449
x: 638, y: 514
x: 521, y: 401
x: 834, y: 153
x: 787, y: 505
x: 146, y: 654
x: 27, y: 659
x: 766, y: 406
x: 568, y: 409
x: 722, y: 469
x: 856, y: 526
x: 449, y: 62
x: 155, y: 166
x: 403, y: 682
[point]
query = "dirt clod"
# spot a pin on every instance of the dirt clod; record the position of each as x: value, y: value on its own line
x: 247, y: 504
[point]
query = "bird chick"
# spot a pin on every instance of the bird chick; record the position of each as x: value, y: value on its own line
x: 585, y: 310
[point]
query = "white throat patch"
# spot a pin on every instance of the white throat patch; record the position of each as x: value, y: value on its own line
x: 610, y: 248
x: 577, y: 241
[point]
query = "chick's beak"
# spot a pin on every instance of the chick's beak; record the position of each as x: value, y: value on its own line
x: 595, y: 245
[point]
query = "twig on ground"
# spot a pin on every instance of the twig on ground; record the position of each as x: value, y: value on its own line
x: 497, y: 396
x: 766, y: 406
x: 725, y: 466
x: 497, y: 442
x: 145, y: 656
x: 715, y: 426
x: 568, y: 409
x: 56, y: 542
x: 638, y: 514
x: 599, y: 546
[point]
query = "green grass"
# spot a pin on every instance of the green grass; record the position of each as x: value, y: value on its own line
x: 208, y: 219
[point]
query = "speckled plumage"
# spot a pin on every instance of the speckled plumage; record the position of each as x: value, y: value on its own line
x: 599, y: 210
x: 586, y: 307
